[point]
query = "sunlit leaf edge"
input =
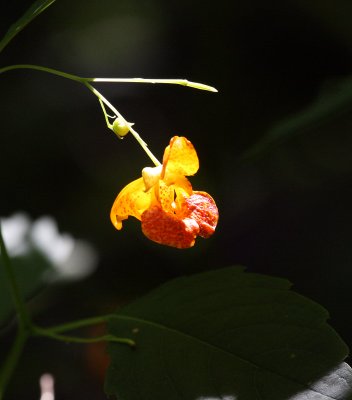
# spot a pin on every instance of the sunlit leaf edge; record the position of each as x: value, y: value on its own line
x: 34, y: 10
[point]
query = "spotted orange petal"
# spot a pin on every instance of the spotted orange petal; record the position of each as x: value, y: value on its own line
x: 132, y: 200
x: 164, y: 228
x: 166, y: 195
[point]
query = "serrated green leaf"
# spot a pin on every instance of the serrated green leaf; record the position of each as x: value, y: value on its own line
x: 228, y: 335
x: 34, y: 10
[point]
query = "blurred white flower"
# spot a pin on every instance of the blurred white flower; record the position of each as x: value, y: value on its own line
x: 46, y: 383
x: 15, y: 231
x: 46, y: 238
x: 69, y: 258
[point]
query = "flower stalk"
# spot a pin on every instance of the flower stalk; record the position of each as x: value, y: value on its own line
x: 49, y: 333
x: 104, y: 102
x: 26, y: 328
x: 18, y: 301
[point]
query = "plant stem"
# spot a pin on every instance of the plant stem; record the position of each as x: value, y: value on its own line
x: 43, y: 69
x: 73, y: 339
x: 19, y: 304
x: 12, y: 359
x: 182, y: 82
x: 69, y: 326
x: 86, y: 82
x: 114, y: 110
x: 54, y: 331
x: 24, y: 322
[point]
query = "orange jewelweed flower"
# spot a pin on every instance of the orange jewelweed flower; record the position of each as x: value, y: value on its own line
x: 164, y: 201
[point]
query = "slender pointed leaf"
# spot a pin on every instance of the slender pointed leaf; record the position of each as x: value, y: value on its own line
x: 330, y: 104
x: 228, y: 335
x: 34, y: 10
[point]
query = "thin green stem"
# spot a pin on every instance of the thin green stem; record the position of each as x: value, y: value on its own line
x: 103, y: 100
x: 70, y: 326
x: 12, y: 359
x: 18, y: 301
x: 43, y: 69
x: 106, y: 115
x: 116, y: 112
x: 74, y: 339
x: 145, y: 147
x: 24, y: 322
x: 85, y: 81
x: 182, y: 82
x: 54, y: 333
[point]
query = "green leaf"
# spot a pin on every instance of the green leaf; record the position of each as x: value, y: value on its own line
x: 228, y: 335
x: 34, y: 10
x: 332, y: 103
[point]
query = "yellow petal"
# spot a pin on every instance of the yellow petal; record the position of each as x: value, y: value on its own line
x: 180, y: 158
x: 182, y: 184
x: 132, y: 200
x: 171, y: 197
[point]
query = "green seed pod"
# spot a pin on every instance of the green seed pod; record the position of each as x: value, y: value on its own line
x: 120, y: 127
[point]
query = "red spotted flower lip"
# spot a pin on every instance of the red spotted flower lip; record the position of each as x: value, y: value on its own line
x: 171, y: 213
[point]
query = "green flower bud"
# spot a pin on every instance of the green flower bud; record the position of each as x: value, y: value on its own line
x: 120, y: 127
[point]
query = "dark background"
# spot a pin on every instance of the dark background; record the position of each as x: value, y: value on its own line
x: 284, y: 211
